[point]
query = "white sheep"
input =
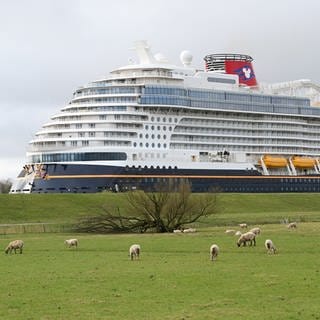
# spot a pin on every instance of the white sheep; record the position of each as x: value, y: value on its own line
x: 134, y: 251
x: 189, y: 230
x: 230, y: 231
x: 71, y: 243
x: 177, y: 231
x: 14, y: 245
x: 243, y: 225
x: 292, y: 225
x: 238, y: 233
x: 214, y: 251
x: 246, y: 237
x: 256, y: 230
x: 270, y: 246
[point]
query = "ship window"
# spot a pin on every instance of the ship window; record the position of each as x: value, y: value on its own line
x: 152, y: 145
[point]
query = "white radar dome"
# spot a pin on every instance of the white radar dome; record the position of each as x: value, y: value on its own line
x: 186, y: 57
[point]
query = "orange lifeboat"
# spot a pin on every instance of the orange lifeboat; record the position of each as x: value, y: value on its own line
x: 274, y: 162
x: 303, y: 162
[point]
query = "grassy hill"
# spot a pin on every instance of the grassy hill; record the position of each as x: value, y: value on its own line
x: 233, y: 208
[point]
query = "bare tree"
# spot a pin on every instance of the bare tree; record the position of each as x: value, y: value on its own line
x: 167, y: 209
x: 5, y: 186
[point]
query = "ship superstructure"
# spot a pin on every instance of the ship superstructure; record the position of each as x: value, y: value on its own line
x: 150, y: 122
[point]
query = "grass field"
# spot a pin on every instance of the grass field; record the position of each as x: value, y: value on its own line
x: 233, y: 208
x: 174, y: 278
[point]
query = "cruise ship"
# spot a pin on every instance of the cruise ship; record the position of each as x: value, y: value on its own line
x: 152, y: 122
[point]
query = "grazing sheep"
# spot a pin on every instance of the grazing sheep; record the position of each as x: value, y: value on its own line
x: 189, y: 230
x: 214, y: 251
x: 244, y: 238
x: 71, y: 243
x: 230, y: 231
x: 256, y: 231
x: 177, y: 231
x: 292, y: 225
x: 243, y: 225
x: 14, y: 245
x: 134, y: 251
x: 270, y: 246
x: 238, y: 233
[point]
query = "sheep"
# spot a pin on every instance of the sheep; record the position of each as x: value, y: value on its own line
x: 270, y: 246
x: 134, y: 251
x: 292, y: 225
x: 214, y: 251
x: 256, y: 231
x: 230, y: 231
x: 177, y: 231
x: 238, y: 233
x: 14, y: 245
x: 189, y: 230
x: 244, y: 238
x: 243, y: 225
x: 71, y: 243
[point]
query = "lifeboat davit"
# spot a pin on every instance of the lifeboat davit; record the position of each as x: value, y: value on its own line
x: 303, y: 162
x: 274, y: 162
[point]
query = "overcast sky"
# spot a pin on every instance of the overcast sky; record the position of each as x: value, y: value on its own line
x: 49, y: 48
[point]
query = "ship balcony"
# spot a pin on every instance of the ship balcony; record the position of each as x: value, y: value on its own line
x: 129, y: 75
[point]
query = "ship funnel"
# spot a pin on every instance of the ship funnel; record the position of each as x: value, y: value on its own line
x: 239, y: 64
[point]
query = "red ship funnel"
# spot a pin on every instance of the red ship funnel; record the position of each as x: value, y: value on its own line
x: 239, y: 64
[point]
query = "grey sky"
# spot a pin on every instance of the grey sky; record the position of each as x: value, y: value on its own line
x: 49, y: 48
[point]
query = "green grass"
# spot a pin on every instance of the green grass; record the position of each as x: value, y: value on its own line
x: 174, y: 278
x: 233, y: 208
